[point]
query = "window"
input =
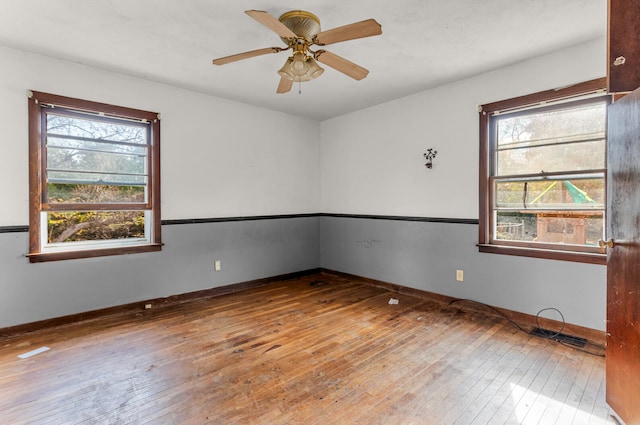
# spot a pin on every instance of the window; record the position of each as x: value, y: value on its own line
x: 94, y: 178
x: 543, y: 174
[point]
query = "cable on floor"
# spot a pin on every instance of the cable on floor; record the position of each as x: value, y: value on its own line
x: 542, y: 333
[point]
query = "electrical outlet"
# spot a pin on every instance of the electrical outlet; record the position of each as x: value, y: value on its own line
x: 460, y: 275
x: 217, y: 265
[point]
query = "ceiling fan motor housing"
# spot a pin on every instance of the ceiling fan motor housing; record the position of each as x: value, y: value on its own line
x: 303, y: 24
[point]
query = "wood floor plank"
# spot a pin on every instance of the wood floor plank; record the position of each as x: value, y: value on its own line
x: 384, y: 392
x: 569, y: 409
x: 486, y: 386
x: 503, y: 394
x: 589, y: 397
x: 546, y: 397
x: 560, y: 393
x: 524, y: 385
x: 317, y: 349
x: 600, y: 414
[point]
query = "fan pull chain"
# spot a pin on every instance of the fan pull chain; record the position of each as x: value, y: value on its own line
x: 299, y: 87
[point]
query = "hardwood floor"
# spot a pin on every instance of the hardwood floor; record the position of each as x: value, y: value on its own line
x: 315, y: 350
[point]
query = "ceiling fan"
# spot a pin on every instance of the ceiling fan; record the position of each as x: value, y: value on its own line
x: 300, y: 30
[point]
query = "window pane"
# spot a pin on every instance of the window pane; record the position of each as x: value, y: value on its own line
x: 575, y: 227
x: 94, y: 225
x: 93, y: 128
x: 552, y: 158
x: 565, y: 194
x: 94, y: 178
x: 556, y: 126
x: 103, y: 194
x: 98, y: 161
x: 95, y: 145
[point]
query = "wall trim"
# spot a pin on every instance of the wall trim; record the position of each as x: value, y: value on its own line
x: 14, y: 229
x: 523, y: 319
x: 229, y: 219
x: 135, y: 307
x: 405, y: 218
x: 24, y: 229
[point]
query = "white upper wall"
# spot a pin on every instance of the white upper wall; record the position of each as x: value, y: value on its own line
x: 225, y: 159
x: 372, y: 160
x: 219, y: 158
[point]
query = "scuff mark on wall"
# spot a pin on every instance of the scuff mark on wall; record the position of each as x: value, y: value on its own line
x: 367, y: 244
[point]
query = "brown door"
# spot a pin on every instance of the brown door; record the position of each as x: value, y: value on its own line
x: 623, y: 263
x: 624, y: 42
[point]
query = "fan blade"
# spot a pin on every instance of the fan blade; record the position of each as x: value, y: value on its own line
x: 361, y: 29
x: 341, y: 64
x: 246, y: 55
x: 272, y: 23
x: 285, y: 85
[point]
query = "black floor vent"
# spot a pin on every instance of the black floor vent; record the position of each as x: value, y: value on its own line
x: 560, y: 337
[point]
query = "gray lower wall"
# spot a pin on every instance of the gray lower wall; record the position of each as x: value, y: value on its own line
x: 425, y: 255
x: 422, y: 255
x: 248, y: 250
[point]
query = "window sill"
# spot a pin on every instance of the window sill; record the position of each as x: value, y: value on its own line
x: 578, y: 257
x: 91, y: 253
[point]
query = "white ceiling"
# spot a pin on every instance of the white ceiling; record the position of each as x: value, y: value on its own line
x: 424, y: 43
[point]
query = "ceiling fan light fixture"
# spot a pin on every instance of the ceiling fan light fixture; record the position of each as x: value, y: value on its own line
x: 300, y: 67
x: 286, y: 71
x: 315, y: 70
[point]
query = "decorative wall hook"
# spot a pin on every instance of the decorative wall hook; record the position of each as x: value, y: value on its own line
x: 429, y: 156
